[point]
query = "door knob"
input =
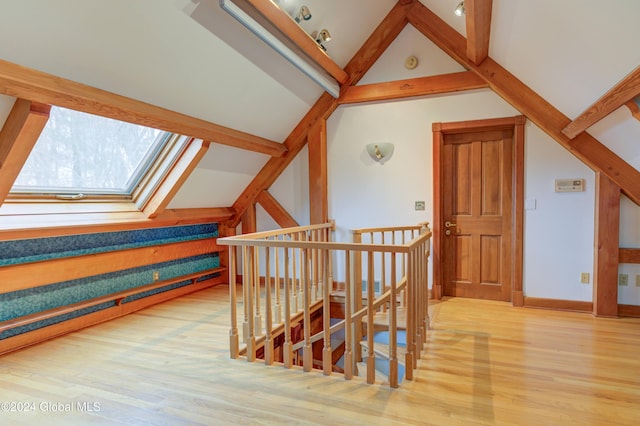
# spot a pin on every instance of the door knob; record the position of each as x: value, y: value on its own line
x: 448, y: 224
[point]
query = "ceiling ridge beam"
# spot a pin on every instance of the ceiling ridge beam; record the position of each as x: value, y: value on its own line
x: 421, y: 86
x: 371, y: 50
x: 37, y: 86
x: 624, y: 91
x: 585, y: 147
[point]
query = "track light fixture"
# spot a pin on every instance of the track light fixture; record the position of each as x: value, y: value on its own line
x: 459, y: 10
x: 322, y: 36
x: 303, y: 14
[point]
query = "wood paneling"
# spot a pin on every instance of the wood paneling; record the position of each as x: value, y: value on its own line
x: 585, y: 147
x: 19, y: 135
x: 623, y: 92
x: 23, y: 82
x: 35, y: 274
x: 607, y: 241
x: 478, y: 23
x: 422, y: 86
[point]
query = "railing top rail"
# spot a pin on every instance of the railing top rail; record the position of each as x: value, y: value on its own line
x: 321, y: 245
x: 390, y: 228
x: 283, y: 231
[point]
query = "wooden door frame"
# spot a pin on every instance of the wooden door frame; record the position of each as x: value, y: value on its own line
x: 439, y: 130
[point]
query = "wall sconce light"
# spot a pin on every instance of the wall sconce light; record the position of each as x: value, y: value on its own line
x: 459, y: 10
x: 303, y: 14
x: 380, y: 152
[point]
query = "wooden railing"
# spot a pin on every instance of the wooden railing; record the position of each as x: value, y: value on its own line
x: 288, y: 275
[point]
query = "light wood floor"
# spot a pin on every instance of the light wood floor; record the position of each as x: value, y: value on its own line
x: 485, y: 363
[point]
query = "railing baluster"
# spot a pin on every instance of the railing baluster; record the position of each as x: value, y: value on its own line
x: 327, y: 365
x: 348, y: 331
x: 245, y: 294
x: 268, y: 342
x: 371, y: 359
x: 234, y: 344
x: 287, y: 347
x: 250, y: 278
x: 278, y: 307
x: 258, y: 291
x: 393, y: 326
x: 307, y: 350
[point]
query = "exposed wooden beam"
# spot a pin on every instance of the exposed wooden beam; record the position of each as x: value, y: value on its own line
x: 623, y: 92
x: 276, y: 211
x: 634, y: 107
x: 176, y: 177
x: 478, y: 22
x: 375, y: 45
x: 285, y: 24
x: 249, y: 220
x: 23, y: 82
x: 18, y: 136
x: 629, y: 255
x: 533, y: 106
x: 437, y: 84
x: 318, y: 179
x: 607, y: 241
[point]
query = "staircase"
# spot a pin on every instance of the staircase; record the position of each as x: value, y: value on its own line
x: 301, y: 304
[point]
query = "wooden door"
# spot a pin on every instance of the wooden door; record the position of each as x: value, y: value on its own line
x: 476, y: 234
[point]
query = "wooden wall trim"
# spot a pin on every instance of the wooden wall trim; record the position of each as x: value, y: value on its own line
x: 46, y: 333
x: 401, y: 89
x: 629, y: 311
x: 607, y: 241
x: 548, y: 118
x: 23, y: 82
x: 558, y: 304
x: 18, y: 136
x: 36, y: 274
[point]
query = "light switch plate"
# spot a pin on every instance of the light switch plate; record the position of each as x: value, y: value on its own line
x: 419, y: 205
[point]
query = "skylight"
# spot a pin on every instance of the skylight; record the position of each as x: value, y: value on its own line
x: 79, y: 154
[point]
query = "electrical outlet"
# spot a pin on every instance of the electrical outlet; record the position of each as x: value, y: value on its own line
x: 156, y: 275
x: 638, y: 280
x: 584, y: 278
x: 623, y: 279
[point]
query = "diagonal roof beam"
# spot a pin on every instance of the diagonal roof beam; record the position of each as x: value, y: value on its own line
x: 634, y: 107
x: 478, y: 22
x: 287, y: 26
x: 401, y: 89
x: 37, y: 86
x: 543, y: 114
x: 623, y: 92
x: 368, y: 54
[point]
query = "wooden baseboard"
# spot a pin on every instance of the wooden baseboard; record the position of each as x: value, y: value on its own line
x: 629, y: 311
x: 517, y: 299
x: 20, y: 341
x: 558, y: 304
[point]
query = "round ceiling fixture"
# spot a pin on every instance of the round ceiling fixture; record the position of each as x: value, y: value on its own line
x: 411, y: 62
